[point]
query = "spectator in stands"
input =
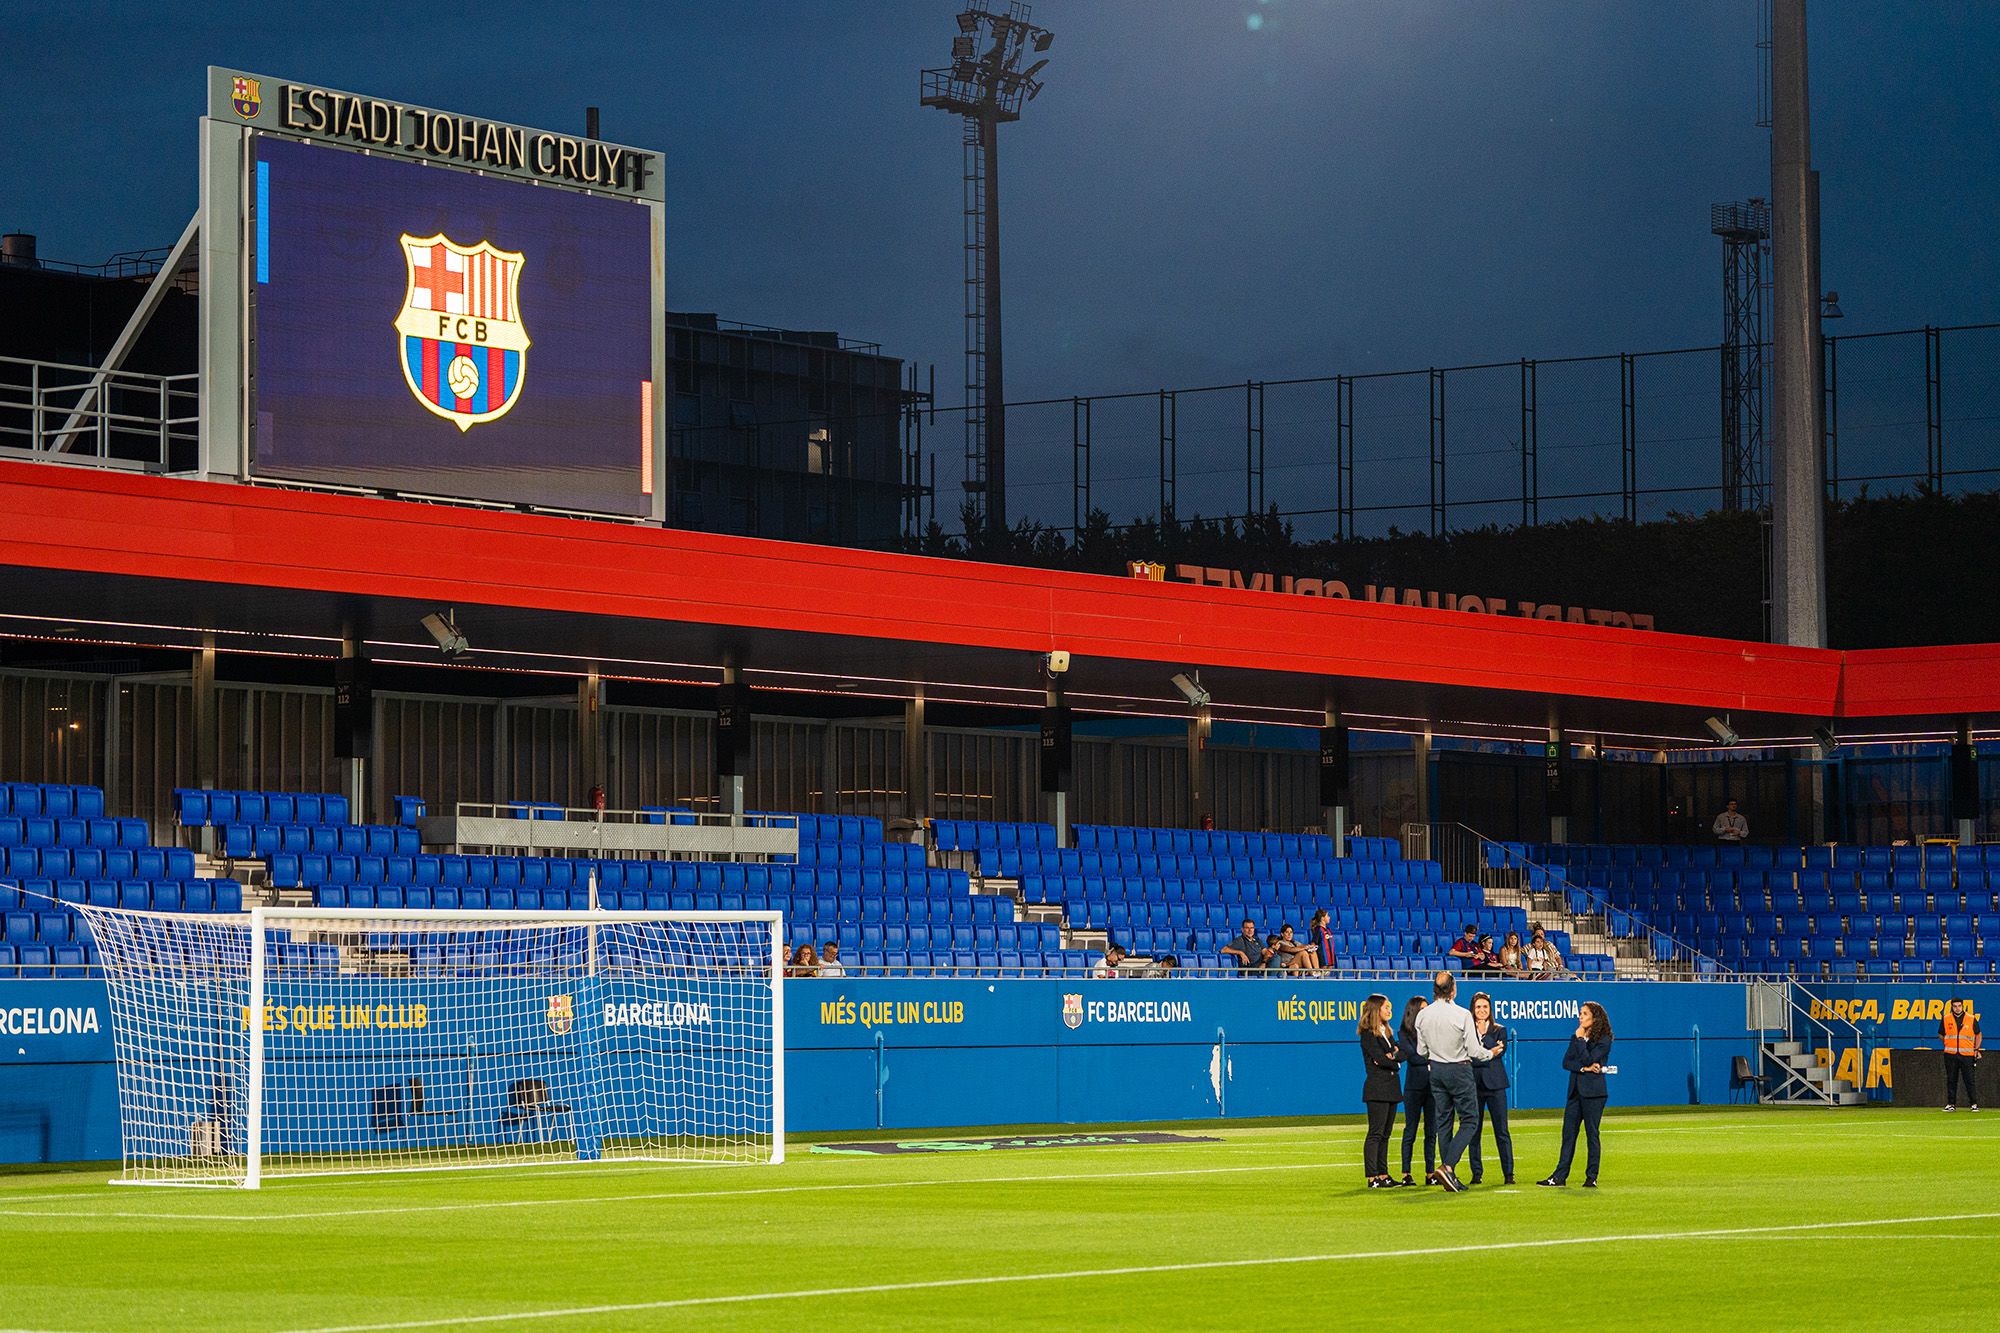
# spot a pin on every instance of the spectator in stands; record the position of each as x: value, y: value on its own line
x: 1962, y: 1044
x: 1488, y: 959
x: 1731, y: 826
x: 805, y: 964
x: 1287, y: 953
x: 1249, y: 952
x: 1379, y: 1091
x: 1319, y: 937
x: 829, y: 960
x: 1543, y: 958
x: 1108, y: 963
x: 1466, y: 947
x: 1161, y: 967
x: 1511, y: 961
x: 1416, y: 1094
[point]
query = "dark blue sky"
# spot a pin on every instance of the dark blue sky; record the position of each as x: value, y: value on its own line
x: 1347, y: 185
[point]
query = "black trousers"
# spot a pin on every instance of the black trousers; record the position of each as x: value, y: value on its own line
x: 1493, y: 1106
x: 1417, y: 1111
x: 1455, y: 1101
x: 1586, y: 1113
x: 1958, y: 1067
x: 1375, y: 1151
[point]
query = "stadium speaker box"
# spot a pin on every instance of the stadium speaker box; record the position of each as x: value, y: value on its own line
x: 353, y: 709
x: 1333, y: 766
x: 1057, y: 751
x: 1964, y: 781
x: 1556, y: 775
x: 732, y: 728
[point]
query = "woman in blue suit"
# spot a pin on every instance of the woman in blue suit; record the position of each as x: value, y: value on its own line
x: 1416, y: 1095
x: 1585, y: 1059
x: 1490, y: 1079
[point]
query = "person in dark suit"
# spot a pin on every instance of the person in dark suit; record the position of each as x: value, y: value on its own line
x: 1379, y: 1091
x: 1416, y: 1094
x: 1491, y: 1078
x: 1589, y: 1049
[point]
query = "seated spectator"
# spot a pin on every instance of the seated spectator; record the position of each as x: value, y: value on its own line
x: 829, y: 965
x: 1289, y: 954
x: 1161, y: 967
x: 1319, y: 937
x: 1543, y: 958
x: 805, y: 964
x: 1511, y: 961
x: 1249, y: 952
x: 1107, y: 966
x: 1466, y: 947
x: 1488, y: 959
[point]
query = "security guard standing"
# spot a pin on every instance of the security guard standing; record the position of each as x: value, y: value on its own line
x: 1962, y: 1040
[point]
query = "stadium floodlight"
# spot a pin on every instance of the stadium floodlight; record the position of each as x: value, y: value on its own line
x: 443, y: 627
x: 969, y: 21
x: 242, y: 1051
x: 1724, y: 733
x: 1191, y: 689
x: 1044, y: 40
x: 1830, y: 306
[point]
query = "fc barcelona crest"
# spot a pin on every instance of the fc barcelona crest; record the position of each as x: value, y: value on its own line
x: 246, y: 96
x: 562, y: 1014
x: 1072, y: 1011
x: 460, y: 337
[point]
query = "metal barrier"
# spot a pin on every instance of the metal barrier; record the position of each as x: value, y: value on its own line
x: 51, y: 412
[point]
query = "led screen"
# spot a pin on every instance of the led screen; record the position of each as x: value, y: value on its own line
x: 426, y: 330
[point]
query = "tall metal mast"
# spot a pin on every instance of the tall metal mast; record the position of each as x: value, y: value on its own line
x: 987, y: 88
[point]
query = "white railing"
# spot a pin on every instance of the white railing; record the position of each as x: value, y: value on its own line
x: 52, y: 412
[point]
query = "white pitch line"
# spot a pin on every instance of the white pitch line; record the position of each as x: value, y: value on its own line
x: 1137, y: 1270
x: 973, y: 1181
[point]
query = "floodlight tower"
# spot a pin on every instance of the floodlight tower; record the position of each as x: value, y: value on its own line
x: 987, y: 88
x: 1745, y: 229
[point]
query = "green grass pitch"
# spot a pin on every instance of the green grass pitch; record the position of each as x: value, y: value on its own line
x: 1808, y: 1219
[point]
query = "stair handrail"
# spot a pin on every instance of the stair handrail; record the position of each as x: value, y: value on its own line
x: 1486, y: 848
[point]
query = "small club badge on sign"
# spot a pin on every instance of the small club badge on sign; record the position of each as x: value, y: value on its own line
x: 1072, y: 1011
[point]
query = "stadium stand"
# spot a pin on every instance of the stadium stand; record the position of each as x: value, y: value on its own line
x: 1185, y: 891
x: 1842, y: 913
x: 58, y: 847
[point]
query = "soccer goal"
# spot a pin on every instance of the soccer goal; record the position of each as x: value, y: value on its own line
x: 309, y: 1041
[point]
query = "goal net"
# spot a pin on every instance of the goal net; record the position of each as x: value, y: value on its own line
x: 323, y: 1040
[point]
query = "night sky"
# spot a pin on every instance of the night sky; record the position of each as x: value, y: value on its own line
x: 1208, y: 191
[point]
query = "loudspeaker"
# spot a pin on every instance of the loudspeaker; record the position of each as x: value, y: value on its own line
x: 1964, y: 781
x: 732, y: 728
x: 1333, y: 765
x: 1057, y: 751
x: 353, y: 710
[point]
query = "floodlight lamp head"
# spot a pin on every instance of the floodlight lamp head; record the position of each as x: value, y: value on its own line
x: 1044, y: 40
x: 968, y: 21
x: 443, y: 629
x: 1825, y: 741
x: 1724, y: 733
x: 1191, y: 689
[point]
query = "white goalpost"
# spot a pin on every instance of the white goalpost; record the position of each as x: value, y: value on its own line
x: 311, y: 1041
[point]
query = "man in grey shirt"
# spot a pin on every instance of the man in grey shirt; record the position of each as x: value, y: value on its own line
x: 1448, y: 1038
x: 1731, y: 826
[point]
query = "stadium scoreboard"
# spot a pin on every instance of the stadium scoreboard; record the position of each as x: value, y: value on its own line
x: 404, y: 299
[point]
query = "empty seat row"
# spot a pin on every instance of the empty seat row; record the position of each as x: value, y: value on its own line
x: 860, y: 854
x: 196, y: 808
x: 97, y: 862
x: 263, y: 841
x: 44, y: 962
x: 136, y: 895
x: 26, y: 800
x: 1014, y: 864
x: 72, y: 831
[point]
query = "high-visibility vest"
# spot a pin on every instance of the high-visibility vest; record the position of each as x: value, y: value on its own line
x: 1961, y: 1034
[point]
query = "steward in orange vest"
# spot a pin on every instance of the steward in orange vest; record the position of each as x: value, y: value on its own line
x: 1960, y: 1030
